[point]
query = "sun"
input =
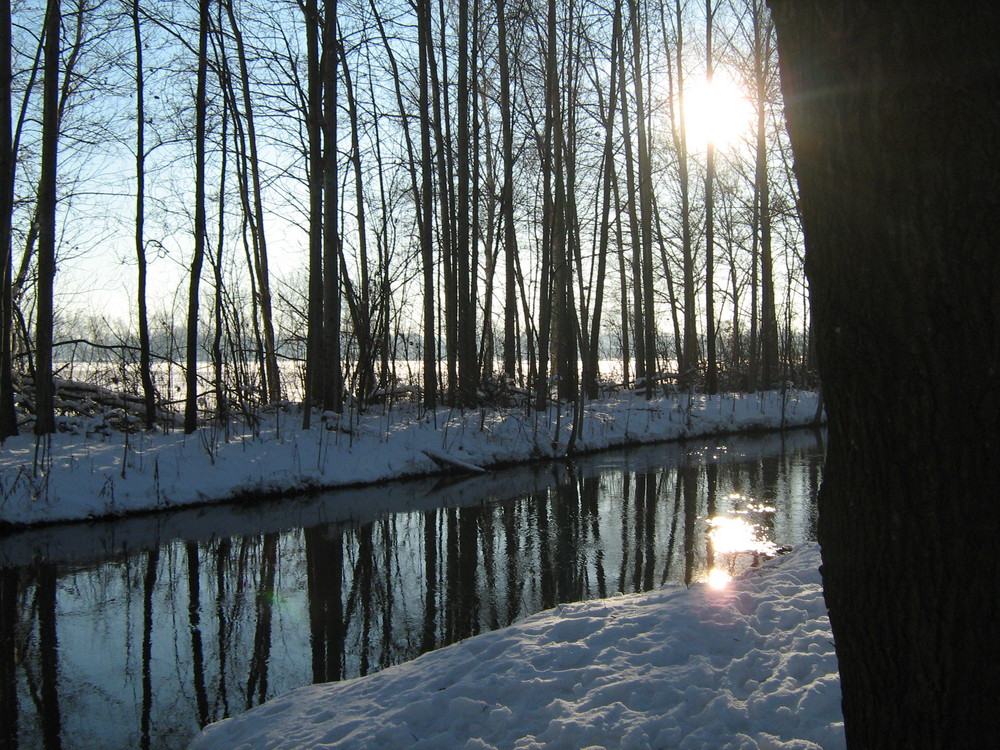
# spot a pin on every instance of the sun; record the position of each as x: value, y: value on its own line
x: 718, y: 112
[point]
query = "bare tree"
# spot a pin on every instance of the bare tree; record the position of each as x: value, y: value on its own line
x: 145, y: 365
x: 333, y: 385
x: 314, y: 119
x: 426, y: 202
x: 712, y: 368
x: 47, y: 190
x: 200, y: 224
x: 8, y: 417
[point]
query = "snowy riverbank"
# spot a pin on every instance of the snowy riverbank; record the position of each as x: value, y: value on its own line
x: 90, y: 473
x: 748, y: 666
x: 94, y: 473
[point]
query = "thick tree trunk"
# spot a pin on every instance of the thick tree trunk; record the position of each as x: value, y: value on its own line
x: 892, y: 116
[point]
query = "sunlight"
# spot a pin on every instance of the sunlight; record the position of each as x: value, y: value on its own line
x: 737, y: 535
x: 718, y: 113
x: 718, y: 578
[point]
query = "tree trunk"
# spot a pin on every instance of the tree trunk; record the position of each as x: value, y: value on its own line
x: 712, y: 368
x: 200, y: 232
x: 145, y: 364
x: 314, y: 117
x: 638, y: 337
x: 44, y: 389
x: 507, y: 199
x: 426, y: 204
x: 333, y: 383
x: 768, y: 361
x: 361, y: 305
x: 645, y: 174
x: 255, y: 216
x: 690, y: 348
x: 467, y: 375
x: 892, y: 116
x: 8, y: 417
x: 608, y: 177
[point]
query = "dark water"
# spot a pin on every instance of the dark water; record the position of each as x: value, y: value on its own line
x: 134, y: 634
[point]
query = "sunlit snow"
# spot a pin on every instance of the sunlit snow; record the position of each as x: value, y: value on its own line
x: 93, y: 472
x: 748, y: 666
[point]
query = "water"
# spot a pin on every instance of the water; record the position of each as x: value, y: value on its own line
x: 136, y: 633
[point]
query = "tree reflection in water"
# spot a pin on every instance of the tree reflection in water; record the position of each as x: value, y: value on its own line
x: 260, y: 613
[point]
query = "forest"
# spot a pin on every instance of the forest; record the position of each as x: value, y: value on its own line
x: 254, y: 203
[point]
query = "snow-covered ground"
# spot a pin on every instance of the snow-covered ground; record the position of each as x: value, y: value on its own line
x: 750, y: 665
x: 94, y: 472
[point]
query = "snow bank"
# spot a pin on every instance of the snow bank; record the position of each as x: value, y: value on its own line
x: 68, y: 477
x: 748, y: 666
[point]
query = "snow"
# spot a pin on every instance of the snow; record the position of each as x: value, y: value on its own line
x: 90, y: 472
x: 750, y: 665
x: 747, y: 665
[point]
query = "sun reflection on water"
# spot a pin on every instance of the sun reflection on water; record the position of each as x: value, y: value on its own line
x: 738, y: 540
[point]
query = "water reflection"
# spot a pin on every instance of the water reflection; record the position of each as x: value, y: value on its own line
x: 142, y: 646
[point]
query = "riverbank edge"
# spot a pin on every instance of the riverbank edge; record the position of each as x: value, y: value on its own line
x: 73, y: 478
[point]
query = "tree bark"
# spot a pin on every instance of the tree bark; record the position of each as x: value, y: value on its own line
x: 767, y: 362
x: 44, y: 389
x: 333, y: 382
x: 8, y: 417
x: 711, y: 365
x: 631, y: 201
x: 200, y: 231
x: 271, y: 374
x: 645, y: 174
x: 145, y: 360
x: 690, y: 346
x: 314, y: 117
x: 427, y: 205
x: 891, y: 112
x: 608, y: 177
x: 360, y: 303
x: 468, y: 377
x: 507, y: 198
